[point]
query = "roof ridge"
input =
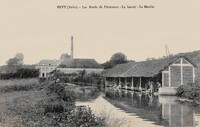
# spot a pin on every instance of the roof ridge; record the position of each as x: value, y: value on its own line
x: 130, y: 69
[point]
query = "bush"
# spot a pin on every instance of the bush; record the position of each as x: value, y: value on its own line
x: 62, y: 107
x: 190, y: 91
x: 64, y: 98
x: 20, y: 74
x: 83, y: 117
x: 81, y: 78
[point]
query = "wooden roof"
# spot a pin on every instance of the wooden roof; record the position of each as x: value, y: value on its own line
x: 150, y: 68
x: 49, y: 62
x: 79, y: 63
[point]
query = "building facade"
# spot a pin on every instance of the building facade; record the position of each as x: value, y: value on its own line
x: 68, y: 66
x: 76, y: 65
x: 170, y: 73
x: 47, y: 66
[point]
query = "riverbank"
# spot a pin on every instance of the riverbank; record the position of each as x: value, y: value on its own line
x: 189, y: 93
x: 49, y: 105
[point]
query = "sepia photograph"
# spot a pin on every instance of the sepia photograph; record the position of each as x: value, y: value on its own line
x: 99, y: 63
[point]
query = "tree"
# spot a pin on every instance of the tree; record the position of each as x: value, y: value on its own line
x: 20, y: 57
x: 17, y: 60
x: 148, y: 59
x: 117, y: 58
x: 64, y: 56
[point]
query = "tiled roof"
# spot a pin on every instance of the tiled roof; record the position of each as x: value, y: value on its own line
x: 49, y: 62
x: 79, y: 63
x: 150, y: 68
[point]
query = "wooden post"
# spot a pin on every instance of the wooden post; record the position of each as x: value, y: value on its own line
x: 125, y: 83
x: 169, y: 76
x: 106, y: 83
x: 193, y: 75
x: 140, y: 87
x: 132, y: 83
x: 163, y: 79
x: 181, y: 71
x: 119, y: 81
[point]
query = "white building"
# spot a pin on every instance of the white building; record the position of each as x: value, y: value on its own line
x: 68, y: 66
x: 47, y: 66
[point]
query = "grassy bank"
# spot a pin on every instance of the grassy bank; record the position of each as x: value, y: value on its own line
x: 18, y: 85
x: 23, y: 105
x: 19, y: 109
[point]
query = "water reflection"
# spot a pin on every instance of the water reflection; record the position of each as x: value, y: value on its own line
x: 87, y: 93
x: 159, y: 110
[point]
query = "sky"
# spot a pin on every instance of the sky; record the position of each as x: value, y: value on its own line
x: 39, y: 30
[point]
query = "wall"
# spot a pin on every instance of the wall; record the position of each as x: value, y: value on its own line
x: 45, y: 70
x: 178, y: 73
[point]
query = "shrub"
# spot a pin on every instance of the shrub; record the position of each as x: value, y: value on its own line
x: 80, y: 78
x: 83, y: 117
x: 62, y: 105
x: 190, y: 91
x: 20, y: 74
x: 64, y: 96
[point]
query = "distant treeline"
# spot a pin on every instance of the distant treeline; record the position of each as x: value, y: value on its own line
x: 20, y: 73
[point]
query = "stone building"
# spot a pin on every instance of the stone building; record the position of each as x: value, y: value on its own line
x: 47, y: 66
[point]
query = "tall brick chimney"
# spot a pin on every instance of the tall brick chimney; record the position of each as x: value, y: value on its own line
x: 72, y: 48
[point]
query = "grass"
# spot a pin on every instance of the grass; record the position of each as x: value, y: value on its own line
x: 113, y: 122
x: 23, y: 105
x: 21, y: 108
x: 18, y: 85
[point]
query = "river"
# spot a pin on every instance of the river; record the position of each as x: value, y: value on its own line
x: 137, y: 109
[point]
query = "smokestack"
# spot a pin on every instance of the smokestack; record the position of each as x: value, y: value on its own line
x: 72, y: 48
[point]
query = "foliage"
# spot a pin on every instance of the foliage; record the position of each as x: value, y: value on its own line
x: 117, y: 58
x: 17, y: 60
x: 83, y: 117
x: 64, y: 110
x: 53, y: 106
x: 148, y: 59
x: 190, y: 91
x: 80, y: 78
x: 63, y: 93
x: 19, y: 85
x: 65, y: 56
x: 21, y: 73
